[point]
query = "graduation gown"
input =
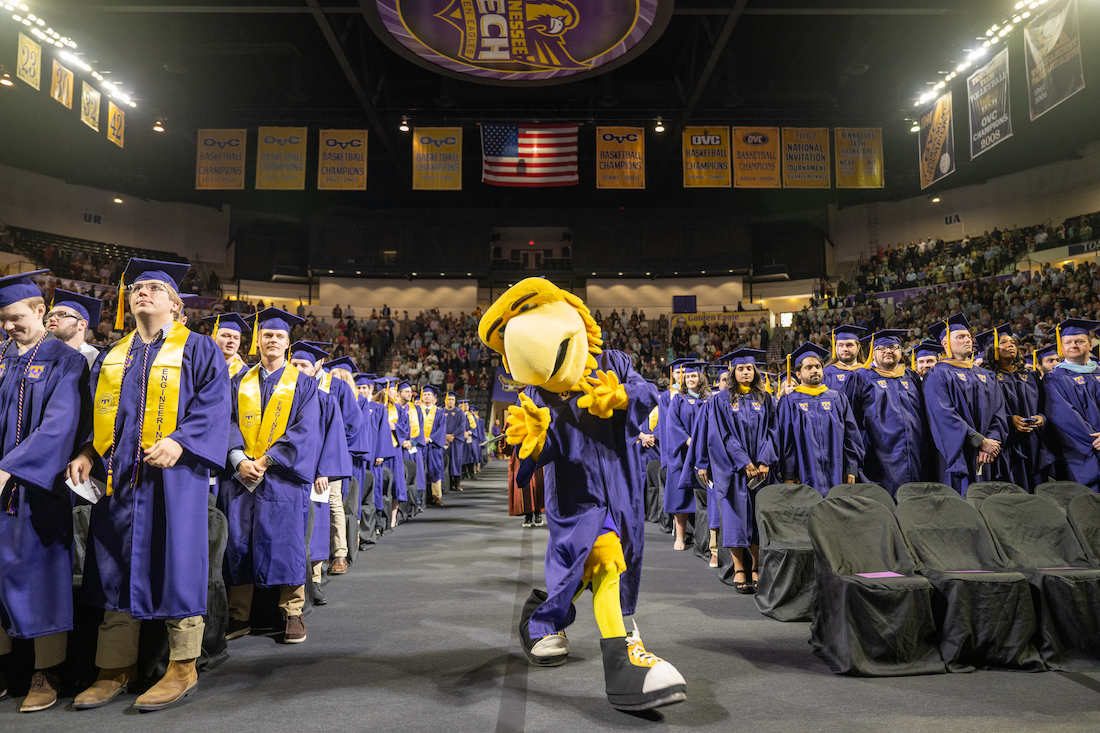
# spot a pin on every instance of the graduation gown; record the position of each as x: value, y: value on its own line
x: 889, y: 411
x: 590, y: 480
x: 1023, y: 456
x: 818, y: 438
x: 1072, y: 405
x: 394, y: 429
x: 838, y: 378
x: 372, y: 421
x: 961, y: 403
x: 354, y: 426
x: 334, y: 463
x: 147, y: 552
x: 742, y: 431
x: 36, y: 521
x: 456, y: 426
x: 680, y: 481
x: 267, y: 527
x: 419, y: 445
x: 435, y: 437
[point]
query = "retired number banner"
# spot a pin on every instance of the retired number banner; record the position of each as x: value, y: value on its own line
x: 987, y: 94
x: 61, y: 85
x: 437, y: 158
x: 342, y: 160
x: 937, y: 142
x: 29, y: 68
x: 706, y: 157
x: 756, y: 157
x: 220, y: 163
x: 281, y: 159
x: 620, y: 157
x: 806, y: 157
x: 859, y: 161
x: 90, y: 99
x: 1052, y: 53
x: 116, y: 124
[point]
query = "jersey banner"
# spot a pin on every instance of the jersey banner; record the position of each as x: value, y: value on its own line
x: 90, y: 99
x: 437, y: 159
x: 29, y: 68
x: 1052, y: 55
x: 859, y: 161
x: 61, y: 85
x: 756, y: 157
x: 806, y: 157
x: 220, y: 162
x: 987, y: 94
x: 116, y: 124
x: 706, y: 157
x: 620, y: 157
x: 342, y: 160
x: 936, y: 141
x: 281, y: 159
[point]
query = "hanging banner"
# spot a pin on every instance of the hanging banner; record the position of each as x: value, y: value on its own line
x: 61, y: 85
x: 437, y: 158
x: 281, y: 159
x: 220, y: 163
x: 116, y: 124
x: 1052, y: 53
x: 30, y: 62
x: 806, y: 157
x: 505, y: 387
x: 620, y: 157
x: 936, y: 141
x: 89, y: 105
x: 987, y: 95
x: 756, y: 157
x: 341, y: 160
x: 706, y: 157
x: 859, y: 161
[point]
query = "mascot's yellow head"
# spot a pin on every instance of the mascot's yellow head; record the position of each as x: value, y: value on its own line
x: 547, y: 336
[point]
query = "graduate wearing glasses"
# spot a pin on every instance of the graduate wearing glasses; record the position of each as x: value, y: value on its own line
x: 1071, y: 399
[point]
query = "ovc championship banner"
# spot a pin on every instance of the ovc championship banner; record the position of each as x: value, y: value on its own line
x: 806, y: 157
x: 735, y: 319
x: 756, y: 157
x: 437, y: 159
x: 620, y: 157
x: 859, y: 161
x: 706, y: 157
x: 506, y: 389
x: 1052, y: 52
x: 89, y: 105
x: 281, y: 159
x: 936, y: 141
x: 116, y: 124
x: 987, y: 94
x: 342, y: 160
x: 220, y: 162
x: 61, y: 85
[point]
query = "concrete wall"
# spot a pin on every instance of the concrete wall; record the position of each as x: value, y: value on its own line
x: 401, y: 295
x: 655, y: 296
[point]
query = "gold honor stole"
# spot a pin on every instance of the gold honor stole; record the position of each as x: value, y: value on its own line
x: 470, y: 419
x: 414, y: 422
x: 325, y: 381
x: 391, y: 413
x: 261, y: 432
x: 235, y: 365
x: 429, y: 420
x: 162, y: 394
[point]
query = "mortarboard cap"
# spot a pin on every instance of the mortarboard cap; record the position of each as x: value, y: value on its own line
x: 344, y: 362
x: 679, y: 362
x: 743, y: 356
x: 956, y: 322
x: 15, y: 288
x: 928, y: 348
x: 431, y: 388
x: 362, y: 378
x: 230, y: 321
x: 807, y: 349
x: 140, y: 270
x: 277, y: 319
x: 889, y: 336
x: 87, y: 306
x: 403, y: 384
x: 985, y: 338
x: 305, y: 351
x: 847, y: 332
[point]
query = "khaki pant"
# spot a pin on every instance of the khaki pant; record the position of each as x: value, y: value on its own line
x: 49, y: 650
x: 437, y: 490
x: 317, y: 572
x: 714, y: 542
x: 118, y: 639
x: 292, y: 599
x: 338, y: 528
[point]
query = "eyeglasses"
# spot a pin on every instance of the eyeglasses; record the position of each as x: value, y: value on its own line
x: 151, y: 287
x: 887, y: 347
x: 60, y: 315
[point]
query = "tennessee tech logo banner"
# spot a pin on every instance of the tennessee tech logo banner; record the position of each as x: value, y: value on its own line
x: 937, y: 142
x: 756, y: 157
x: 806, y: 157
x: 342, y: 160
x: 437, y: 159
x: 620, y: 157
x: 281, y: 159
x: 220, y: 164
x: 706, y: 157
x: 859, y: 162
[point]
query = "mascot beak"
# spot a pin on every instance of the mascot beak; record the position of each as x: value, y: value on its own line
x: 547, y: 346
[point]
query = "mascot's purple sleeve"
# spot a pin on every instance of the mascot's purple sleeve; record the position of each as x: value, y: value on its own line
x: 590, y: 477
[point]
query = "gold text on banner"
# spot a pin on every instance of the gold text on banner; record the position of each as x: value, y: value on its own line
x: 437, y: 158
x: 806, y: 157
x: 281, y: 159
x: 219, y: 165
x: 756, y: 157
x: 620, y: 157
x: 29, y: 68
x: 342, y: 160
x: 859, y: 162
x: 936, y: 141
x: 61, y: 85
x: 706, y: 157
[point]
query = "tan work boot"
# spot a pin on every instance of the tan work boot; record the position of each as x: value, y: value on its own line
x: 176, y: 684
x: 109, y: 684
x: 43, y: 693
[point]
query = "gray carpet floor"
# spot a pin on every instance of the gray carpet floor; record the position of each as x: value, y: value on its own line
x: 420, y: 635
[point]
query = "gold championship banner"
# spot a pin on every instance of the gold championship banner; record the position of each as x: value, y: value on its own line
x: 620, y: 157
x: 736, y: 319
x: 437, y: 159
x: 937, y: 142
x: 859, y: 161
x: 30, y: 62
x: 756, y: 157
x: 706, y: 157
x: 806, y: 157
x: 116, y: 124
x: 220, y: 162
x: 61, y: 85
x: 281, y: 159
x: 89, y: 105
x: 342, y: 160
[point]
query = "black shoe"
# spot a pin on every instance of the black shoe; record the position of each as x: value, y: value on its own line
x: 319, y: 597
x: 546, y: 651
x: 237, y: 629
x: 637, y: 680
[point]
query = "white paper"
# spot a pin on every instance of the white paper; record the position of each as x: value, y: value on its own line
x: 240, y: 480
x: 321, y: 497
x: 91, y: 490
x: 412, y: 450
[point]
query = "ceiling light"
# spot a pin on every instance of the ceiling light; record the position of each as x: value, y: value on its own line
x: 620, y: 274
x: 994, y: 39
x: 1016, y: 18
x: 660, y: 126
x: 915, y: 128
x: 414, y: 275
x: 159, y: 126
x: 469, y: 274
x: 404, y: 127
x: 1019, y: 5
x: 6, y: 80
x: 936, y: 200
x: 118, y: 201
x: 1025, y: 14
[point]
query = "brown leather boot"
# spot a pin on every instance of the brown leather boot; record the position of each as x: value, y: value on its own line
x: 295, y: 630
x: 338, y: 566
x: 43, y: 693
x: 176, y: 684
x: 109, y: 684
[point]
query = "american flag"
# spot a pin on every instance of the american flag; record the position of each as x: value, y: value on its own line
x: 529, y: 155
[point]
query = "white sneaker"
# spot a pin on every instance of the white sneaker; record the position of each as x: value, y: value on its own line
x: 661, y: 675
x: 549, y: 648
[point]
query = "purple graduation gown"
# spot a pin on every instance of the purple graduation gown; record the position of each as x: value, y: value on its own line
x: 456, y: 426
x: 333, y: 462
x: 889, y: 412
x: 36, y: 581
x: 148, y: 552
x: 590, y: 477
x: 420, y: 442
x: 681, y: 481
x: 1023, y: 456
x: 267, y: 527
x: 837, y: 378
x: 818, y: 438
x: 1071, y: 403
x: 436, y: 443
x: 372, y: 421
x: 392, y: 454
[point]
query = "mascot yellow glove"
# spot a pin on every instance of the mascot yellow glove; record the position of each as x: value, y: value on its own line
x: 603, y: 394
x: 527, y: 424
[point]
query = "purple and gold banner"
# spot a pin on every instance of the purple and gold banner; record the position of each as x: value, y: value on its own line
x: 990, y: 113
x: 937, y: 142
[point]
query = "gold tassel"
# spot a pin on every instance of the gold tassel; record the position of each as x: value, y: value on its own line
x: 870, y: 355
x: 1034, y: 360
x: 833, y: 336
x: 1058, y: 338
x: 947, y: 332
x: 254, y: 348
x: 217, y: 322
x: 996, y: 349
x: 913, y: 359
x: 120, y: 316
x: 788, y: 370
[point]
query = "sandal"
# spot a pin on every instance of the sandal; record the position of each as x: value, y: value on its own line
x: 679, y: 545
x: 714, y: 559
x: 745, y: 588
x: 756, y: 580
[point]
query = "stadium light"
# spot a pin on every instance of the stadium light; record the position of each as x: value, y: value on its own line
x: 404, y: 126
x: 159, y: 126
x: 660, y: 126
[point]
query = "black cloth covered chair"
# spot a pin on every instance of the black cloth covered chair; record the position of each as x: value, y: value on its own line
x: 1061, y: 492
x: 979, y: 492
x: 785, y: 589
x: 870, y: 491
x: 653, y: 510
x: 918, y: 489
x: 872, y: 614
x: 1084, y: 516
x: 1036, y: 538
x: 984, y: 612
x: 699, y: 526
